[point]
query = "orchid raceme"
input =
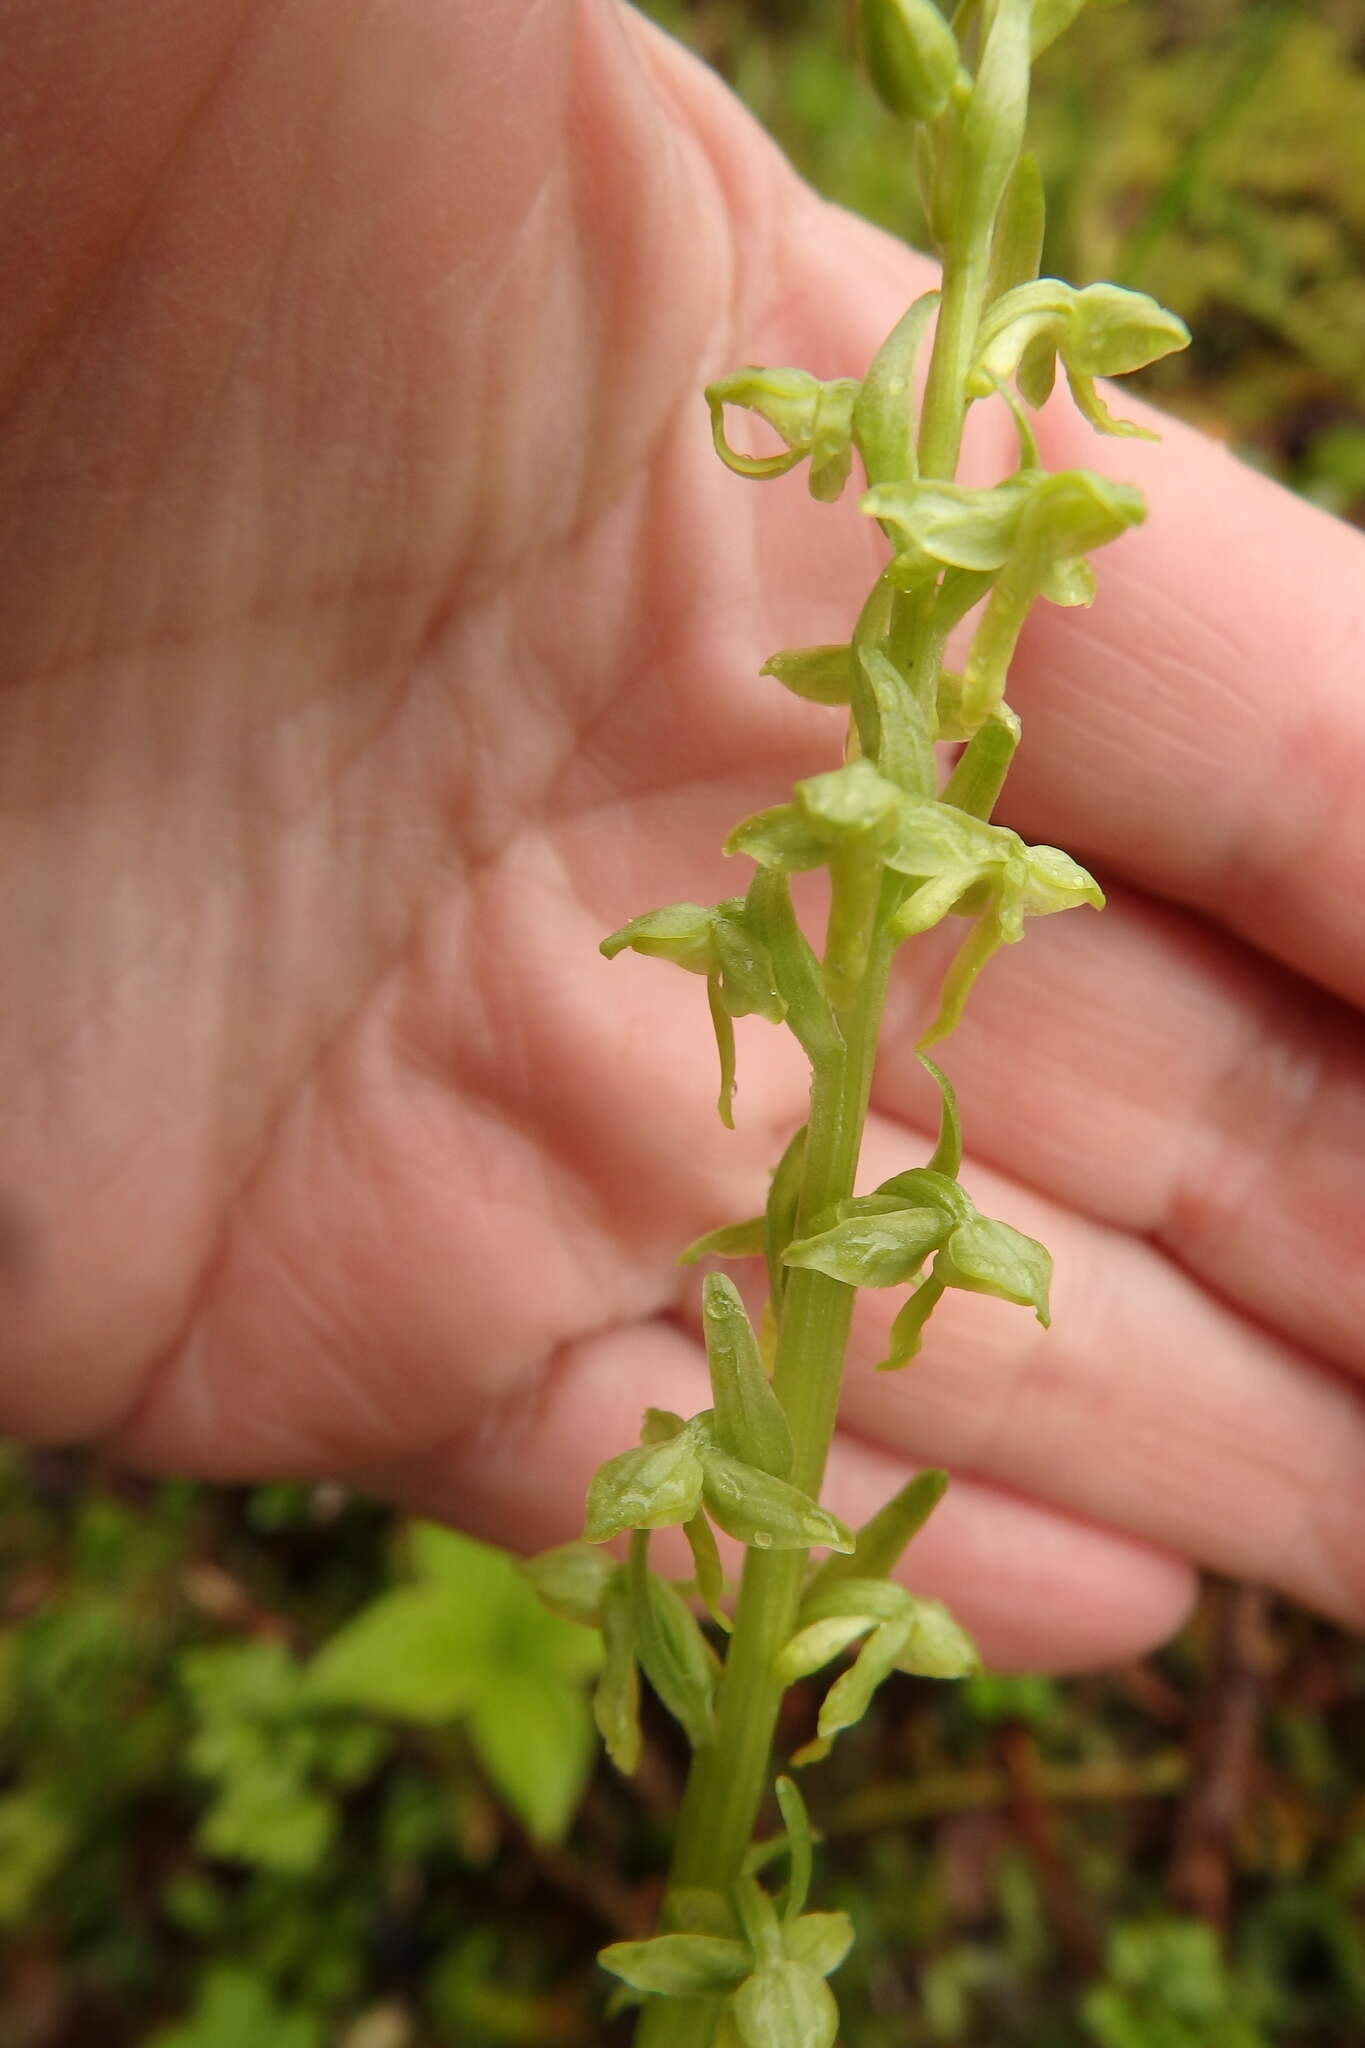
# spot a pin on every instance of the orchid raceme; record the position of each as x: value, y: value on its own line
x: 905, y: 841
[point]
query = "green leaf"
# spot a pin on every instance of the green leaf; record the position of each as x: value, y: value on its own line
x: 732, y: 1241
x: 749, y: 1420
x: 655, y: 1487
x: 911, y: 56
x: 780, y: 1218
x: 534, y: 1739
x: 232, y: 2008
x: 819, y: 674
x: 764, y: 1512
x: 884, y: 416
x: 34, y: 1840
x: 678, y: 1965
x: 1053, y: 881
x: 874, y: 1251
x: 992, y: 1258
x: 786, y: 2005
x: 819, y: 1940
x: 413, y: 1653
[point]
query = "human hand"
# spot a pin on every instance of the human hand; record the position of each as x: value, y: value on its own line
x: 380, y: 631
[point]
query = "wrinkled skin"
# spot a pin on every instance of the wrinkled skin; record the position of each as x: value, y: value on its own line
x: 380, y: 630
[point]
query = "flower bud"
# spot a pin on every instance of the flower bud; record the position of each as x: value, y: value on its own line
x: 911, y: 56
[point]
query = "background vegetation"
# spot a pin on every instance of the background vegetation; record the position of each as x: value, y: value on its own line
x: 277, y: 1771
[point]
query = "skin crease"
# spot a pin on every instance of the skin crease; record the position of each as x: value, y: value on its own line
x: 380, y: 630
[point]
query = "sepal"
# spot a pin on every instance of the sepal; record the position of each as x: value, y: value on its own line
x: 785, y: 2004
x: 654, y: 1487
x: 813, y: 419
x: 1102, y: 330
x: 764, y: 1512
x: 731, y: 1241
x: 679, y: 1965
x: 572, y: 1580
x: 821, y: 675
x: 873, y: 1251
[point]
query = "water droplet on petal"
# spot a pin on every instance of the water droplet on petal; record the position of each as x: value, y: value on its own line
x: 762, y: 1539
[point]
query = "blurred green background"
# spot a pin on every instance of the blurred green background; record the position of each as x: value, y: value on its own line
x: 278, y: 1772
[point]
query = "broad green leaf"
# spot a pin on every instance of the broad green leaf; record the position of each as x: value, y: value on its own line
x: 534, y: 1738
x: 818, y: 674
x: 786, y: 2005
x: 412, y: 1653
x: 764, y: 1512
x: 679, y: 1965
x: 819, y: 1940
x: 35, y: 1837
x: 731, y: 1241
x: 655, y: 1487
x: 985, y: 1257
x: 749, y: 1420
x: 233, y: 2008
x: 874, y: 1251
x: 911, y: 56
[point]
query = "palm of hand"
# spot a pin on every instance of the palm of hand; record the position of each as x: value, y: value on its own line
x: 382, y: 633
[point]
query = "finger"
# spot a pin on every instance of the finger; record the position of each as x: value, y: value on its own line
x: 1149, y: 1406
x: 1146, y: 1070
x: 1038, y: 1590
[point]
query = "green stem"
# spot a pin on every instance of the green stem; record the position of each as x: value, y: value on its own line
x: 728, y: 1778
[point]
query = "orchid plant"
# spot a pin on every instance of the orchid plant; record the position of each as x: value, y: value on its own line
x: 905, y: 842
